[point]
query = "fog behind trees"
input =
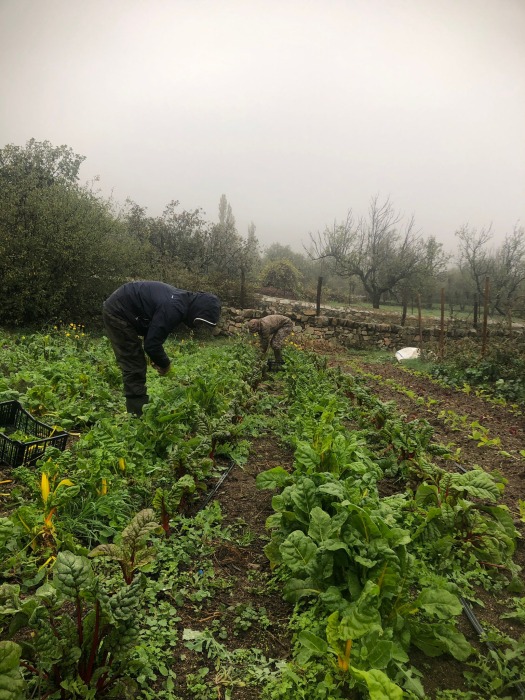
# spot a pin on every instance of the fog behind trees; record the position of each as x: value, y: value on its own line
x: 297, y: 111
x: 64, y: 247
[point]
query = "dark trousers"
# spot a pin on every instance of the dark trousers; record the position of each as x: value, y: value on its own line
x: 129, y: 353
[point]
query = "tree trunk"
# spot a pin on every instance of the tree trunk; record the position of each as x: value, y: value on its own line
x: 242, y: 293
x: 404, y: 312
x: 376, y: 298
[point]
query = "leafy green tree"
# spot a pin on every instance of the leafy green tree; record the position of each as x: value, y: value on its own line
x: 282, y: 275
x: 38, y: 165
x: 186, y: 250
x: 223, y: 244
x: 178, y: 241
x: 508, y: 276
x: 249, y: 259
x: 62, y: 249
x: 310, y: 271
x: 231, y: 258
x: 424, y: 278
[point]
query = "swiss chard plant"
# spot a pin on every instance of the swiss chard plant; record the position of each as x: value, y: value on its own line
x: 457, y: 519
x: 335, y: 542
x: 78, y: 634
x: 132, y: 549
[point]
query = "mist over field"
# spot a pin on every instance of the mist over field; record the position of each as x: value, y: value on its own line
x: 296, y: 111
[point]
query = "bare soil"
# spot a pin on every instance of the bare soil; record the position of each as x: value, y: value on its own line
x: 248, y: 568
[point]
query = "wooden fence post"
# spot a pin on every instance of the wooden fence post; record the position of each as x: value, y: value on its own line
x: 420, y: 322
x: 485, y: 317
x: 242, y: 293
x: 442, y: 328
x: 319, y: 287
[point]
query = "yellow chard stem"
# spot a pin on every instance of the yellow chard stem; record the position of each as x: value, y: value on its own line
x: 49, y: 517
x: 344, y: 661
x: 44, y: 487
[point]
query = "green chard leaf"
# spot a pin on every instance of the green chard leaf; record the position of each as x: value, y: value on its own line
x: 379, y: 684
x: 297, y: 588
x: 275, y: 478
x: 298, y: 551
x: 11, y: 681
x: 71, y: 574
x: 439, y: 603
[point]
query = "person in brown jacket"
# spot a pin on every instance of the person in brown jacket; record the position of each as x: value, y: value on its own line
x: 272, y: 331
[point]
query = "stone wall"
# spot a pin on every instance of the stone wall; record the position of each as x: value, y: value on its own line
x: 355, y: 328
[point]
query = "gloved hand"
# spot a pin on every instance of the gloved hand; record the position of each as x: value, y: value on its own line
x: 161, y: 370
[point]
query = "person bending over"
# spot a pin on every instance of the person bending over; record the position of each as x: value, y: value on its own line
x: 272, y: 331
x: 138, y: 317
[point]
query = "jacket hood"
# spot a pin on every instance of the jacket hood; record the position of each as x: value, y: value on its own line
x: 203, y: 307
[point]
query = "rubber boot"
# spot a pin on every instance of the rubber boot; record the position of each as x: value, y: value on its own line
x: 134, y: 404
x: 278, y: 357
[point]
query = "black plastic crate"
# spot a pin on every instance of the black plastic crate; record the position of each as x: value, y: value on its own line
x: 15, y: 453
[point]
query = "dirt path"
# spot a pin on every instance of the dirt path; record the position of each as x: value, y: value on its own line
x: 245, y: 565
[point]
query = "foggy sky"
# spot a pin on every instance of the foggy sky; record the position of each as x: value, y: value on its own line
x: 296, y: 110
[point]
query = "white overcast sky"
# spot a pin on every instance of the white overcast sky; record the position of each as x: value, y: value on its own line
x: 296, y: 110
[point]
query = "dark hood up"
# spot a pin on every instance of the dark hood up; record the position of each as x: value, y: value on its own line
x: 155, y: 309
x: 203, y: 307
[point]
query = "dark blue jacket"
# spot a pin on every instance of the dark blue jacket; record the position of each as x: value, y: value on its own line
x: 155, y: 309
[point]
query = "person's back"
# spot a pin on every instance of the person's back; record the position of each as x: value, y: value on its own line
x: 272, y: 323
x: 138, y: 302
x: 152, y: 310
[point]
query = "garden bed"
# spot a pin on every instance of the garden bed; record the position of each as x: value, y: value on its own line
x: 212, y: 621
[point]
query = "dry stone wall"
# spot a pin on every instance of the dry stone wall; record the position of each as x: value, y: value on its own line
x: 352, y: 327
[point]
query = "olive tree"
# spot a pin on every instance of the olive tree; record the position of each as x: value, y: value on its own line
x: 426, y: 274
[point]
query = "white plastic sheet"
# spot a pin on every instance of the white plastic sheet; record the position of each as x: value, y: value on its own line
x: 407, y: 354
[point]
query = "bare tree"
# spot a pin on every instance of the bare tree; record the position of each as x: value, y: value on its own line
x: 380, y: 250
x: 474, y: 257
x: 505, y: 266
x: 425, y: 275
x: 508, y: 275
